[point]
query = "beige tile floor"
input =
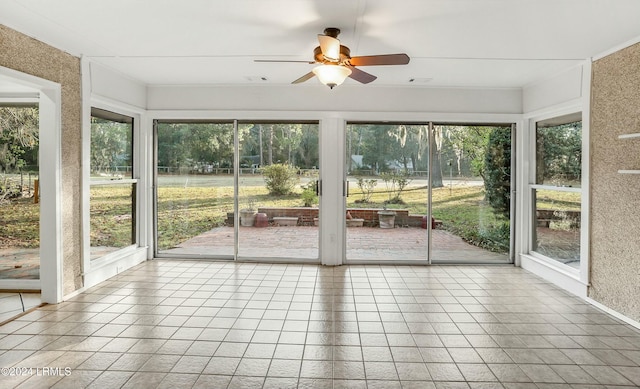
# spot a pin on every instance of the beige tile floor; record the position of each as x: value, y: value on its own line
x: 184, y: 324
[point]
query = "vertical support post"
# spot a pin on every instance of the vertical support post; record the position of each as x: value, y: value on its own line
x: 512, y: 199
x: 429, y: 195
x: 236, y: 189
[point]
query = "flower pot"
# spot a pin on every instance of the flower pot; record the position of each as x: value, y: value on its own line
x: 386, y: 219
x: 247, y: 217
x: 355, y: 222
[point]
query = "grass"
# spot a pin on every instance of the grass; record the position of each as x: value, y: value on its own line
x: 185, y: 212
x: 19, y: 223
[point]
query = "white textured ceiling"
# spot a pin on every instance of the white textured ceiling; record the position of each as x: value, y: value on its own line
x: 452, y: 43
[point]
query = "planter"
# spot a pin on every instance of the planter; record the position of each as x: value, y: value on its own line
x: 262, y: 220
x: 316, y: 221
x: 247, y: 217
x: 386, y: 219
x: 355, y: 222
x: 285, y: 221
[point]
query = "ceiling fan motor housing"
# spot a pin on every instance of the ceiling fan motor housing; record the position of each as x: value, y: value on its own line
x: 345, y: 55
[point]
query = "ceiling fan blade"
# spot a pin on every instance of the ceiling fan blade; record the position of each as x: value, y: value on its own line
x: 387, y: 59
x: 360, y: 76
x: 304, y: 78
x: 280, y: 60
x: 330, y: 47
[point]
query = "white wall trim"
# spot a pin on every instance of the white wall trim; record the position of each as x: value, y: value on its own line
x: 50, y: 130
x: 613, y: 313
x: 20, y: 284
x: 550, y: 76
x: 21, y: 97
x: 51, y: 252
x: 420, y: 117
x: 554, y: 274
x: 572, y: 280
x: 117, y: 263
x: 565, y: 108
x: 585, y: 218
x: 115, y: 105
x: 616, y: 48
x: 332, y: 224
x: 95, y: 271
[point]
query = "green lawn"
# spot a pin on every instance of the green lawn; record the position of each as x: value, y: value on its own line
x: 184, y: 212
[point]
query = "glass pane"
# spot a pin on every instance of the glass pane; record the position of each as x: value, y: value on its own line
x: 111, y: 145
x: 19, y: 201
x: 559, y: 151
x: 195, y: 189
x: 471, y: 193
x: 387, y: 204
x: 112, y: 218
x: 557, y: 231
x: 277, y: 198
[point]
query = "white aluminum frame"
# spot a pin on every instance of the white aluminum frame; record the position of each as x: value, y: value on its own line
x: 100, y: 269
x: 574, y: 280
x: 332, y: 167
x: 49, y: 95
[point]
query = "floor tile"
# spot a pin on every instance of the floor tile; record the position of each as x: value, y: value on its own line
x: 218, y: 324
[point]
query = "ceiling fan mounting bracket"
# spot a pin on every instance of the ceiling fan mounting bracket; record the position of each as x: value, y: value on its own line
x: 332, y: 32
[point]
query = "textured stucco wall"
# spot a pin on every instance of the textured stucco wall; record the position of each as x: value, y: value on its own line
x: 615, y: 198
x: 27, y: 55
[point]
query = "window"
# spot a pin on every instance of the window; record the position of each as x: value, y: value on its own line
x: 112, y: 184
x: 19, y: 186
x: 556, y: 193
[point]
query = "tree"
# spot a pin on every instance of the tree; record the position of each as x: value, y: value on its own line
x: 559, y: 153
x: 307, y: 153
x: 19, y: 130
x: 497, y: 181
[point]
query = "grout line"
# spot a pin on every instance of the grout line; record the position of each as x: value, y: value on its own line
x: 22, y: 314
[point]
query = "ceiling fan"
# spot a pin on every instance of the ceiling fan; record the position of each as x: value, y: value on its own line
x: 336, y: 63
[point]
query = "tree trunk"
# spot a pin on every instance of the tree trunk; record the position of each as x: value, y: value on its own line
x: 270, y: 146
x: 414, y: 162
x: 260, y: 142
x: 436, y: 169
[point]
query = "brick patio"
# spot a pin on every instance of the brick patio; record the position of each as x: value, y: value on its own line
x: 363, y: 243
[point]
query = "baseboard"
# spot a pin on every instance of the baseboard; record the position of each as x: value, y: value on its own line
x: 613, y: 313
x: 563, y: 279
x: 114, y: 267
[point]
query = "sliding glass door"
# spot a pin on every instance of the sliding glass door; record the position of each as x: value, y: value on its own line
x: 244, y: 191
x: 387, y: 192
x: 471, y: 194
x: 415, y: 193
x: 277, y: 191
x: 428, y: 193
x: 194, y: 189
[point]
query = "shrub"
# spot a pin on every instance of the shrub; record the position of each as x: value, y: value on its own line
x: 280, y: 178
x: 309, y: 196
x: 8, y: 189
x: 498, y: 171
x: 395, y: 183
x: 366, y: 187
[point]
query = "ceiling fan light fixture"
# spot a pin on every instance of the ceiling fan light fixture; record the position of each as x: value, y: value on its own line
x: 332, y: 75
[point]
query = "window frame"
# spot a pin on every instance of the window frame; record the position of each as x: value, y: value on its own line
x: 572, y: 279
x: 98, y: 269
